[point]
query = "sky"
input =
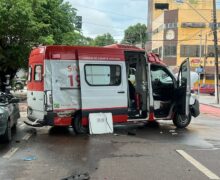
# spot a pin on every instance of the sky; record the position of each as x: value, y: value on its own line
x: 110, y: 16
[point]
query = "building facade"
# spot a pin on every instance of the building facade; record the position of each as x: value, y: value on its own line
x: 177, y: 31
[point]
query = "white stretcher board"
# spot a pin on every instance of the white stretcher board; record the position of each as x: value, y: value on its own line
x: 100, y: 123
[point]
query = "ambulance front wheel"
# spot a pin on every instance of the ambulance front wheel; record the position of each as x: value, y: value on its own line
x: 77, y: 125
x: 181, y: 121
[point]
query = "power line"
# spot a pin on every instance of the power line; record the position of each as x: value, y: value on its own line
x: 103, y: 25
x: 109, y: 12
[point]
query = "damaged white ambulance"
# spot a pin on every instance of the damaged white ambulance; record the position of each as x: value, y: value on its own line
x: 67, y: 83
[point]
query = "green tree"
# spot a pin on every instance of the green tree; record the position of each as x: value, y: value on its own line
x: 103, y: 40
x: 72, y: 38
x: 136, y: 34
x: 16, y: 25
x: 54, y: 19
x: 27, y: 23
x: 76, y: 38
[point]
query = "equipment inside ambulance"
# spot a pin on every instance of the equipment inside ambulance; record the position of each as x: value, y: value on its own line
x: 67, y: 84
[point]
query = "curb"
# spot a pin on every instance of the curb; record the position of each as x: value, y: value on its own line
x: 210, y: 105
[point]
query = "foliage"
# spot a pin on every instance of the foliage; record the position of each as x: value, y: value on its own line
x: 135, y: 34
x: 76, y: 38
x: 27, y: 23
x: 53, y: 19
x: 103, y: 40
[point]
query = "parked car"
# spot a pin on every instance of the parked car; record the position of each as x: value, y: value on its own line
x: 205, y: 89
x: 9, y: 115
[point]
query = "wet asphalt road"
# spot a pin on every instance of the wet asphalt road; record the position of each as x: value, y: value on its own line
x: 146, y: 153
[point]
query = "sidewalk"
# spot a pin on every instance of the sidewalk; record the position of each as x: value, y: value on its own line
x: 208, y: 105
x: 208, y: 100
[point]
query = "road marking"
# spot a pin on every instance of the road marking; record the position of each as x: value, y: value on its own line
x: 27, y: 136
x: 10, y: 153
x: 198, y: 165
x: 210, y: 149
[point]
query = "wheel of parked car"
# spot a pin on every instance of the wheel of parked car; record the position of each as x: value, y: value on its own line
x: 19, y: 86
x: 181, y: 121
x: 7, y: 135
x: 14, y: 127
x: 77, y: 125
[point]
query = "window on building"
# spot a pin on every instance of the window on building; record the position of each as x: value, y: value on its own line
x: 211, y: 51
x: 161, y: 6
x: 191, y: 51
x: 170, y: 25
x: 157, y: 30
x: 38, y: 73
x: 211, y: 25
x: 103, y: 75
x: 169, y: 51
x: 193, y: 25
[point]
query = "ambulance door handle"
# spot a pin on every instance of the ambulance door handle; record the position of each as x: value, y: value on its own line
x: 121, y: 92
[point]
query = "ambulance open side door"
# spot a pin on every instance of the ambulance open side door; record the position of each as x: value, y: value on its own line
x: 104, y: 88
x: 184, y: 88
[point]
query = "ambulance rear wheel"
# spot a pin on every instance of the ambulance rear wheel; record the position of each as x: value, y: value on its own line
x: 181, y: 121
x: 77, y: 125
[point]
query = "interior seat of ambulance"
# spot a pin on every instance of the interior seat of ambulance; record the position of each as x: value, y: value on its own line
x: 136, y: 95
x: 131, y: 61
x: 163, y: 90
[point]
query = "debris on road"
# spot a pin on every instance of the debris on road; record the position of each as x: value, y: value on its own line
x: 84, y: 176
x: 30, y: 158
x: 174, y: 134
x: 172, y: 130
x: 131, y: 133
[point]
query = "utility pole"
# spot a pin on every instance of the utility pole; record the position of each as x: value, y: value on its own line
x: 200, y: 58
x: 205, y: 59
x: 216, y: 52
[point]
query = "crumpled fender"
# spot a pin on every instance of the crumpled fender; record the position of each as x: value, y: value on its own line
x: 194, y: 109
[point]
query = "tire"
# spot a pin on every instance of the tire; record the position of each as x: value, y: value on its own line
x: 19, y: 86
x: 14, y: 127
x: 8, y: 135
x: 77, y: 125
x: 181, y: 121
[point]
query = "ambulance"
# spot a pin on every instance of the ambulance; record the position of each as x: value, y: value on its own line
x: 68, y: 83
